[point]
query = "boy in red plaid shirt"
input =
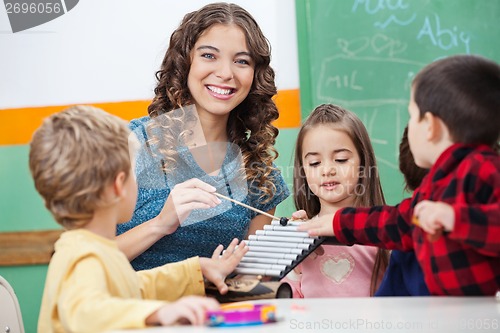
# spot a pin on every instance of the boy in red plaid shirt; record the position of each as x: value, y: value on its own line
x: 452, y: 222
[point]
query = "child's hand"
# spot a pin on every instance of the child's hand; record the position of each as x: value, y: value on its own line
x: 188, y: 309
x: 319, y: 226
x: 433, y: 217
x: 184, y: 197
x: 300, y: 215
x: 219, y: 266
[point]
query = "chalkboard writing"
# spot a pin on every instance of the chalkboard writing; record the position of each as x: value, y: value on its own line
x: 363, y: 55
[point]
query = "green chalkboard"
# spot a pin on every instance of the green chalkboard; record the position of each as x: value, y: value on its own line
x: 363, y: 55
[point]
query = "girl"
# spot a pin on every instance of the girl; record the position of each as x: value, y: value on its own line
x: 214, y: 94
x: 335, y: 167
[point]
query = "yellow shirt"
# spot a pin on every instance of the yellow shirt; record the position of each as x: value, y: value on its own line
x: 91, y: 286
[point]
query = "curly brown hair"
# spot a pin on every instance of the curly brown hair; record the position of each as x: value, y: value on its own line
x: 250, y: 123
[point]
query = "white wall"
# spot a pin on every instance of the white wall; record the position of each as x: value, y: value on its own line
x: 109, y: 50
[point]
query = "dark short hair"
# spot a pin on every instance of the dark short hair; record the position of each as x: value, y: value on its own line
x: 464, y: 92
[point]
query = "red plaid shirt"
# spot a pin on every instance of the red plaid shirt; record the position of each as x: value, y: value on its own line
x: 465, y: 261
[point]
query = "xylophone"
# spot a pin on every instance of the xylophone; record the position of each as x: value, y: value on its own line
x: 278, y: 249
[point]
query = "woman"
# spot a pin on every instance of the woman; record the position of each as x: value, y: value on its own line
x: 209, y: 129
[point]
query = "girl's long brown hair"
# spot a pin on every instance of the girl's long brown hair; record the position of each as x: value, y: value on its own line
x: 369, y: 181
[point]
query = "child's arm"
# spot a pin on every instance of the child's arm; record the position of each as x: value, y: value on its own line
x: 216, y: 269
x: 475, y: 225
x: 172, y: 281
x: 320, y: 226
x: 190, y: 309
x: 387, y: 227
x: 473, y: 218
x: 88, y: 302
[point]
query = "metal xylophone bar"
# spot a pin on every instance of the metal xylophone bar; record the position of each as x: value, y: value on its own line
x: 277, y: 249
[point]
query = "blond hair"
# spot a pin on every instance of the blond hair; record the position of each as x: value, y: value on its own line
x: 73, y: 156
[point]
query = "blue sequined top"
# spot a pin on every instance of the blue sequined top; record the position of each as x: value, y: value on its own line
x: 205, y: 229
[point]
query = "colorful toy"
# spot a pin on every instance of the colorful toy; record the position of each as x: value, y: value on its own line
x: 240, y: 314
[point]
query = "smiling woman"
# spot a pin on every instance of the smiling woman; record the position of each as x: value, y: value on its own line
x: 211, y: 118
x: 221, y: 74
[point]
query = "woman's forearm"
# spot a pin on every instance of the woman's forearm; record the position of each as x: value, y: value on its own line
x: 137, y: 240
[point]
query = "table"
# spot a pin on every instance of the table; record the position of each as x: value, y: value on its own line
x: 363, y: 314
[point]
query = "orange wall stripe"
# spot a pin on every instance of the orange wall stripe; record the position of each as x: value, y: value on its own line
x: 17, y: 125
x: 288, y: 103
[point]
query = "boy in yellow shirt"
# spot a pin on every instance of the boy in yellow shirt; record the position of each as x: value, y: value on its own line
x: 80, y: 163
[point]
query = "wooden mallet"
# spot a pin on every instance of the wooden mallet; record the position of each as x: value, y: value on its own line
x: 283, y: 220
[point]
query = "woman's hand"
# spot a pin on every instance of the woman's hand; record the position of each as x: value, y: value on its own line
x: 216, y: 269
x: 184, y: 197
